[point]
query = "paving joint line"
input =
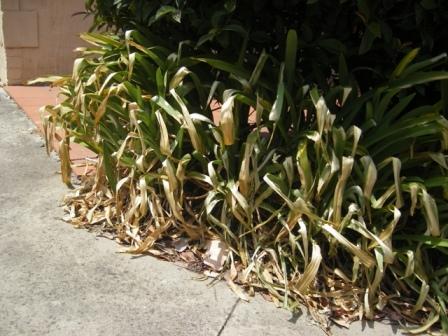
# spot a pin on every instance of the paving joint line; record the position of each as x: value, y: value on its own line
x: 228, y: 317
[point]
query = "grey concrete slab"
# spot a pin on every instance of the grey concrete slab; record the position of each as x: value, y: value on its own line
x: 260, y: 318
x: 368, y: 328
x: 56, y: 280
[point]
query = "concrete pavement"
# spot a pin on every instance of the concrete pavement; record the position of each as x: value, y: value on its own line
x: 56, y: 280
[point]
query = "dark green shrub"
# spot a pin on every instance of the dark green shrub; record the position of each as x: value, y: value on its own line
x: 371, y: 35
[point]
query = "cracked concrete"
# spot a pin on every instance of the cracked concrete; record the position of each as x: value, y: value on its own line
x: 56, y: 280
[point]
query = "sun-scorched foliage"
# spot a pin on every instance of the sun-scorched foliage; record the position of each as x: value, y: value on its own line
x: 307, y: 136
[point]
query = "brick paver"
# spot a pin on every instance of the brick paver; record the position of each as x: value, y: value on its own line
x: 31, y: 99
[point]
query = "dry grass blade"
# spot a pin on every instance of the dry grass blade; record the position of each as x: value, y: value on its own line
x: 227, y: 120
x: 310, y: 272
x: 364, y: 257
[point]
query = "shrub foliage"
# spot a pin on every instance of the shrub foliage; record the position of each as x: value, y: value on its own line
x: 326, y: 174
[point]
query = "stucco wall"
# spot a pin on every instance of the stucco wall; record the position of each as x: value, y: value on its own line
x: 2, y: 51
x: 40, y: 36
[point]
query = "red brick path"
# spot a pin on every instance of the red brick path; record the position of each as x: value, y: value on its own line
x: 31, y: 99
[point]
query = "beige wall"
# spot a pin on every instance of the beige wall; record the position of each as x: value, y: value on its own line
x: 40, y: 36
x: 2, y: 51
